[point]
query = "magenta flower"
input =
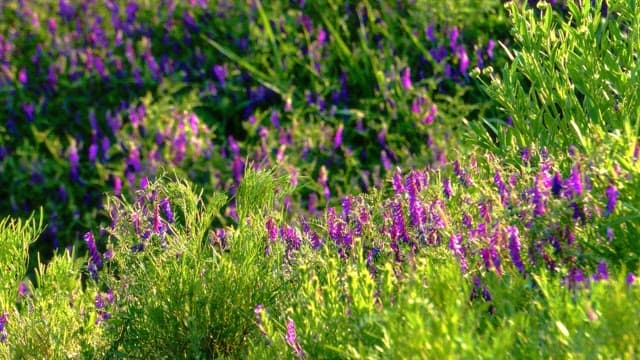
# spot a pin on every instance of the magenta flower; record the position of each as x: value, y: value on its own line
x: 463, y: 59
x: 431, y: 115
x: 406, y: 78
x: 272, y: 229
x: 22, y: 76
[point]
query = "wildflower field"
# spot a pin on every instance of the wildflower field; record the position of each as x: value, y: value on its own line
x: 320, y: 179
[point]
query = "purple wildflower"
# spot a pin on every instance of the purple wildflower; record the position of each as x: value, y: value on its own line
x: 93, y: 152
x: 428, y: 32
x: 166, y: 208
x: 272, y: 229
x: 431, y: 115
x: 497, y: 179
x: 610, y: 234
x: 574, y: 278
x: 23, y: 289
x: 455, y: 244
x: 491, y: 44
x: 337, y: 141
x: 220, y: 72
x: 631, y: 279
x: 538, y: 200
x: 463, y: 59
x: 467, y: 221
x: 453, y: 37
x: 446, y: 187
x: 93, y: 270
x: 131, y: 10
x: 406, y: 78
x: 398, y: 229
x: 66, y: 10
x: 398, y: 186
x: 612, y: 198
x: 96, y: 258
x: 108, y: 255
x: 4, y: 318
x: 346, y: 207
x: 275, y: 119
x: 316, y: 241
x: 29, y: 111
x: 292, y: 339
x: 73, y: 161
x: 601, y: 273
x: 556, y: 184
x: 514, y: 247
x: 575, y: 180
x: 22, y: 76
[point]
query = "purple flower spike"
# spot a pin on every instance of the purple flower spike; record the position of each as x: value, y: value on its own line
x: 455, y: 244
x: 220, y: 72
x: 292, y: 339
x: 556, y: 184
x: 398, y: 186
x: 514, y: 247
x: 446, y: 187
x: 96, y: 258
x: 431, y: 115
x: 166, y: 208
x: 429, y: 33
x: 73, y: 161
x: 612, y: 198
x: 575, y: 180
x: 275, y: 119
x: 463, y: 59
x: 272, y: 229
x: 4, y: 318
x: 399, y: 230
x: 29, y: 111
x: 453, y: 37
x: 631, y: 279
x: 601, y: 273
x: 384, y: 158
